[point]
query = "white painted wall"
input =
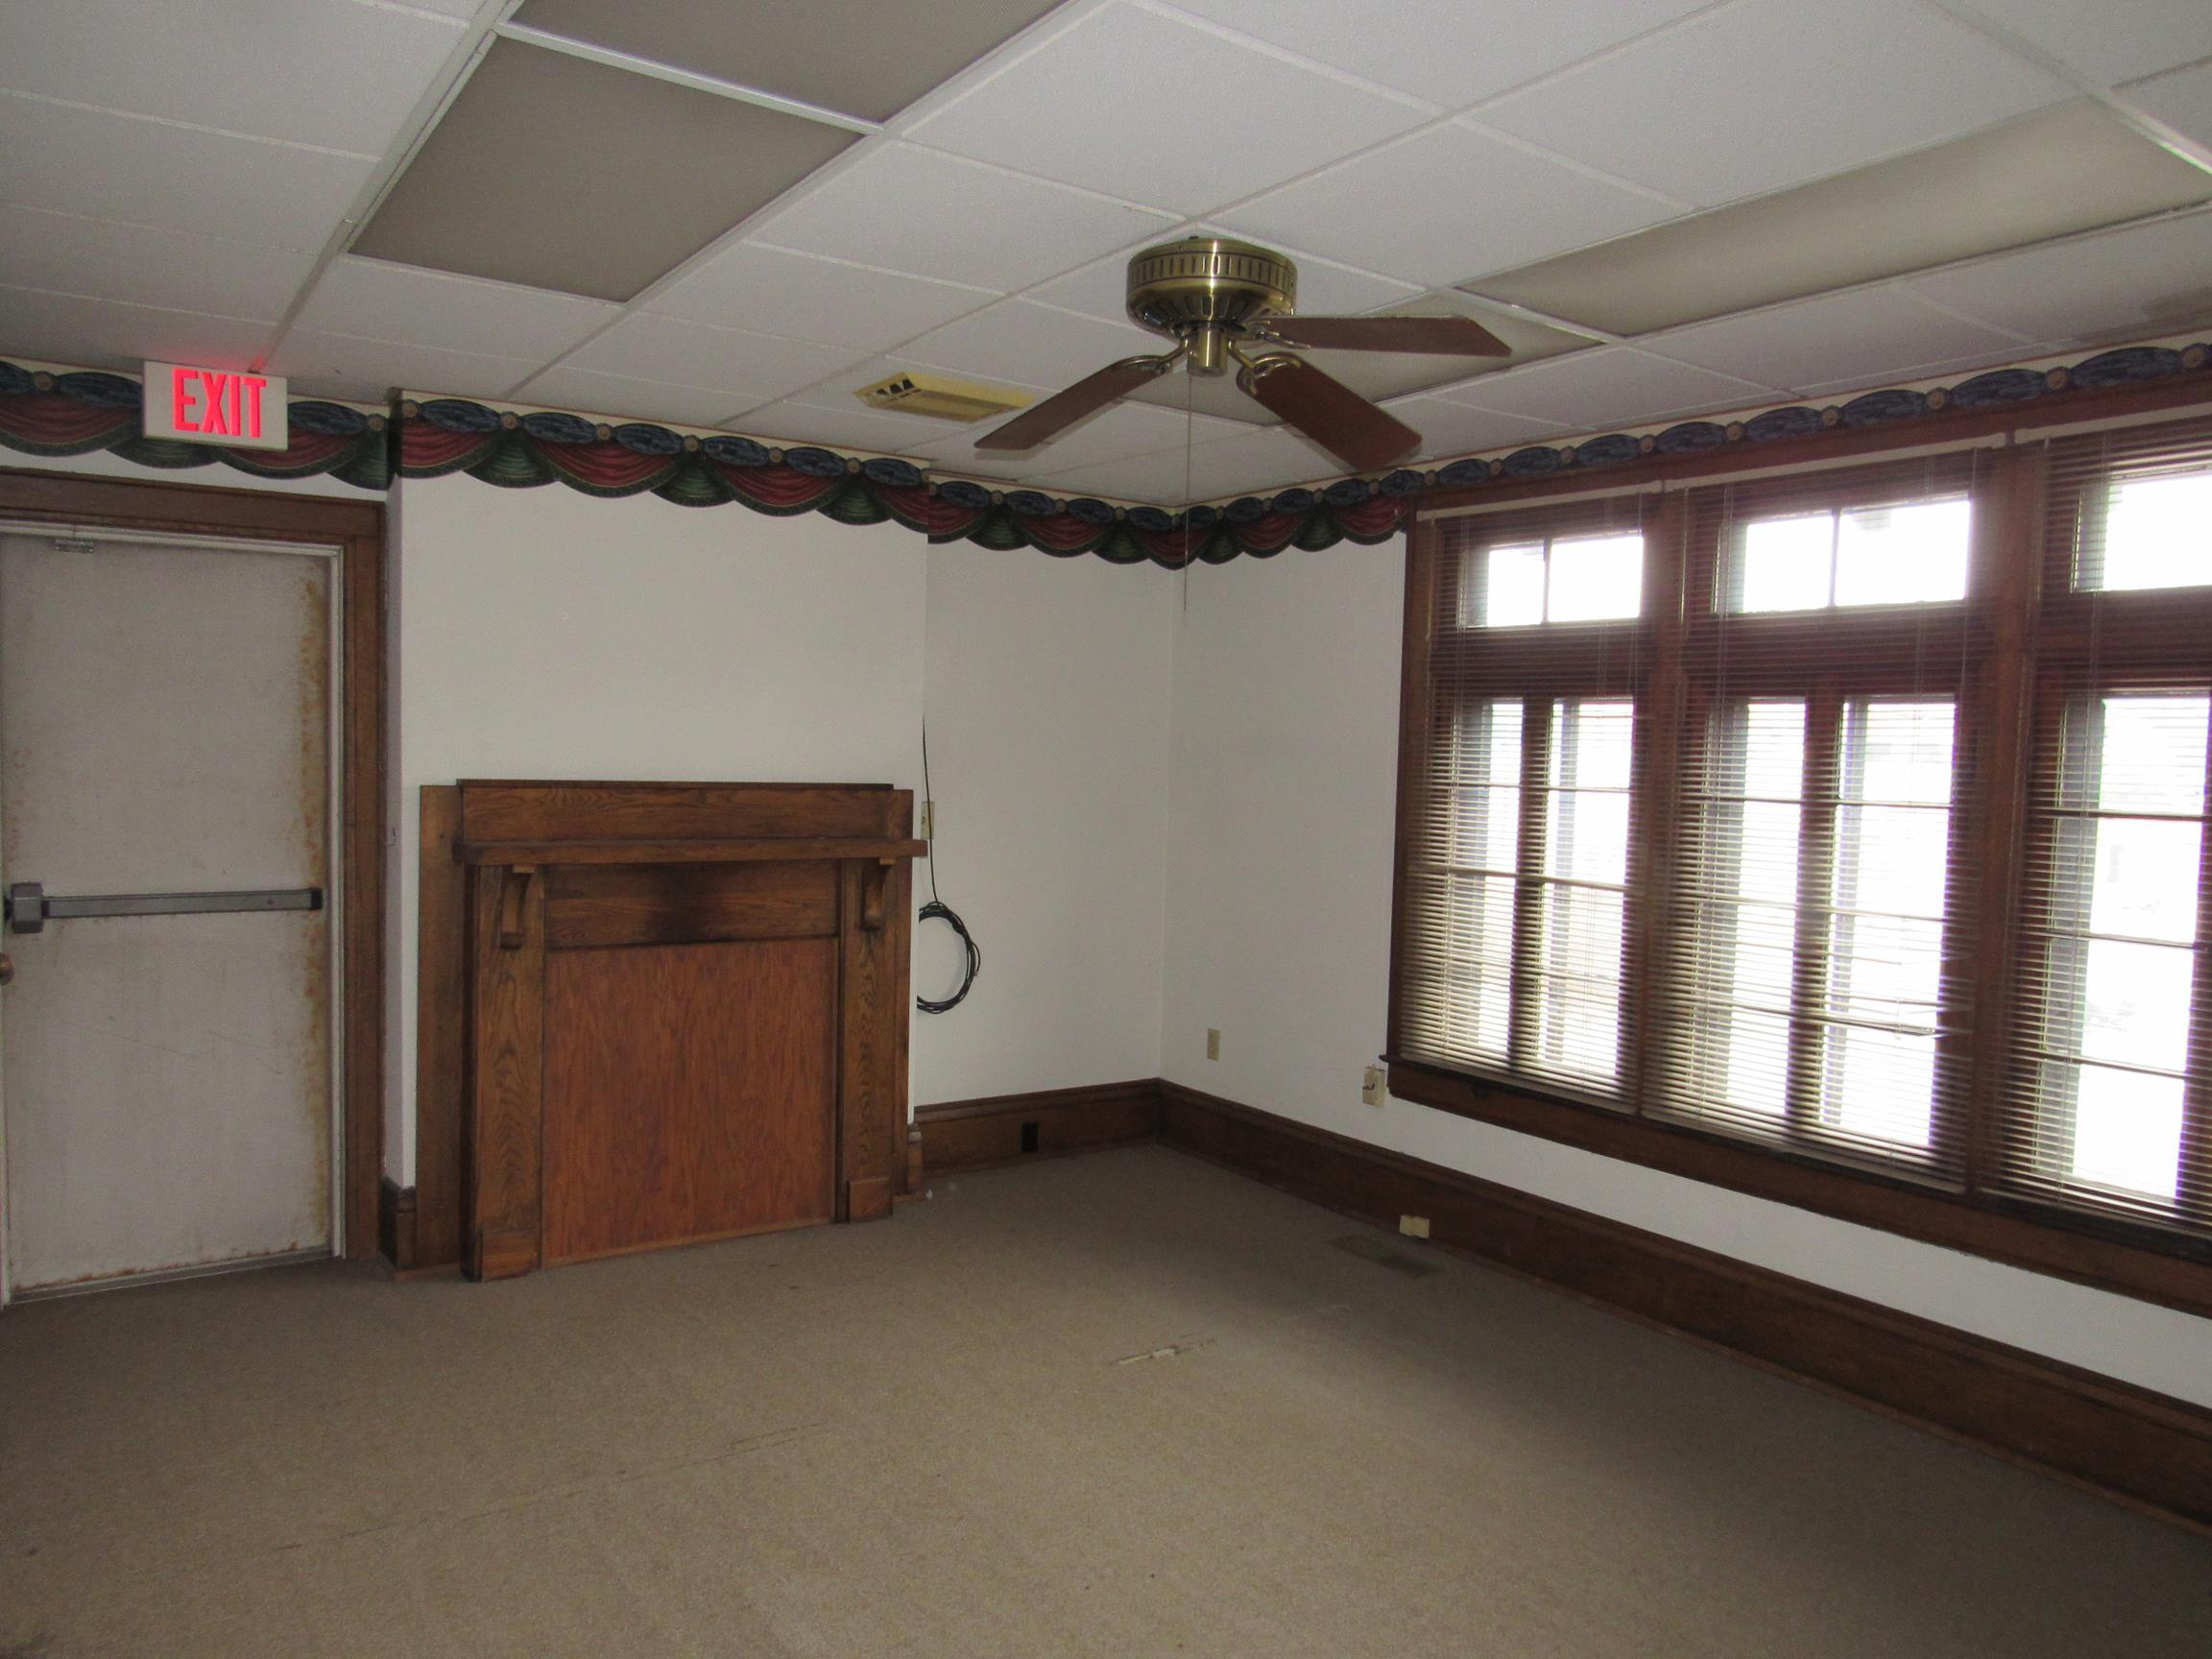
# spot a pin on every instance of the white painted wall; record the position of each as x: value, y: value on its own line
x: 547, y: 633
x: 1047, y: 699
x: 544, y: 633
x: 1281, y: 816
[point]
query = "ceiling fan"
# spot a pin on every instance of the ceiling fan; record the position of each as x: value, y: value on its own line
x: 1228, y: 303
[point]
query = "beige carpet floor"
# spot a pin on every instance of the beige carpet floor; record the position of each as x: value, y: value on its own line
x: 1124, y: 1404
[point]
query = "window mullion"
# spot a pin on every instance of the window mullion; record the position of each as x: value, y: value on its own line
x: 1816, y: 871
x: 1525, y: 1025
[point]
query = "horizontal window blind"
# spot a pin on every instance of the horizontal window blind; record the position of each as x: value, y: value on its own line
x: 1810, y: 975
x: 2108, y: 1099
x: 1516, y: 810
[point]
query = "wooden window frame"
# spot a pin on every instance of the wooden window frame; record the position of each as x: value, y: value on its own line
x: 2018, y: 624
x: 357, y: 529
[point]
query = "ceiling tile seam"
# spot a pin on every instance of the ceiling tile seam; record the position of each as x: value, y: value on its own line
x: 1559, y: 158
x: 1957, y: 313
x: 1589, y: 59
x: 7, y: 205
x: 187, y: 125
x: 765, y: 218
x: 877, y: 270
x: 1514, y: 308
x: 1174, y: 216
x: 1286, y: 56
x: 2143, y: 123
x: 1017, y: 49
x: 675, y: 75
x: 128, y: 305
x: 399, y: 9
x: 1902, y: 279
x: 468, y: 50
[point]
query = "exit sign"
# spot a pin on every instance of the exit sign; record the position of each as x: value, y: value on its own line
x: 216, y: 406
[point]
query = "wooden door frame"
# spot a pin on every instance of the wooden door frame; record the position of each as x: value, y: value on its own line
x: 356, y: 528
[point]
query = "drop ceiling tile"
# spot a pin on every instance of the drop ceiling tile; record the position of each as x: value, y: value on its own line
x: 378, y: 300
x: 745, y: 369
x: 1442, y: 204
x: 347, y: 366
x: 305, y: 71
x: 1456, y: 430
x: 1868, y: 332
x: 1220, y: 120
x: 775, y: 292
x: 1250, y: 463
x: 1946, y: 368
x: 107, y: 334
x: 2182, y: 99
x: 644, y: 173
x: 2112, y: 41
x: 2145, y: 279
x: 1025, y: 344
x: 1607, y: 389
x: 104, y: 260
x: 1116, y: 433
x: 1792, y: 91
x: 900, y: 209
x: 588, y: 393
x: 143, y: 172
x: 861, y: 57
x: 1153, y: 479
x: 855, y: 428
x: 2075, y: 167
x: 1324, y: 288
x: 1449, y: 52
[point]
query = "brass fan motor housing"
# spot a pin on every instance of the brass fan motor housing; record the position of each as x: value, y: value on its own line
x: 1208, y: 285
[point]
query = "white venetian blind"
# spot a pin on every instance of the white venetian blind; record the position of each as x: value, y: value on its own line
x: 1517, y: 816
x: 2108, y: 1106
x: 1812, y: 972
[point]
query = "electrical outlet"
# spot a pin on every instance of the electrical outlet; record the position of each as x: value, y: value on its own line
x: 1212, y: 1043
x: 1413, y: 1226
x: 1371, y: 1086
x: 926, y: 820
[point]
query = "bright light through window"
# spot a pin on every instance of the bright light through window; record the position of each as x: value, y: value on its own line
x: 2121, y: 953
x: 1908, y: 554
x: 1562, y: 578
x: 2158, y: 533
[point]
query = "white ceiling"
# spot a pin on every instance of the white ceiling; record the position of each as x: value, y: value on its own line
x: 182, y: 179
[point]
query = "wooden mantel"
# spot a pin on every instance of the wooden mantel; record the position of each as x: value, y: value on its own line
x: 684, y: 1011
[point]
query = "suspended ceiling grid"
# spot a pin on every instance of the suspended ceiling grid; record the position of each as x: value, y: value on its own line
x: 733, y: 214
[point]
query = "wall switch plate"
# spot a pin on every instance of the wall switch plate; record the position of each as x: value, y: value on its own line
x: 1413, y: 1226
x: 1212, y: 1043
x: 1371, y: 1087
x: 926, y: 820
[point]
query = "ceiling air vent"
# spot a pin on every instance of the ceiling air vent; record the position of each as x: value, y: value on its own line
x: 944, y: 398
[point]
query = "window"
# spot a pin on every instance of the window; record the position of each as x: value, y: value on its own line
x: 1896, y: 553
x: 2105, y: 1058
x: 1552, y: 579
x: 1817, y: 887
x: 1853, y: 852
x: 1516, y: 881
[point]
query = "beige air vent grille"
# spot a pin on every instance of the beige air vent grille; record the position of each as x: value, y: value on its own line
x: 944, y: 398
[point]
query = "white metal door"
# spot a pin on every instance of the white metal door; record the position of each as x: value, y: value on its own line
x: 165, y: 730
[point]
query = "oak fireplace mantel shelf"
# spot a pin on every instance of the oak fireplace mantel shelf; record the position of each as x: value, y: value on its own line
x: 684, y: 1011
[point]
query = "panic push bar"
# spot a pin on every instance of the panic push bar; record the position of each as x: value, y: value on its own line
x: 29, y: 909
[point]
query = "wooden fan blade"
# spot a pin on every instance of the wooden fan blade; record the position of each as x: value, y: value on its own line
x: 1454, y: 336
x: 1329, y: 412
x: 1049, y: 418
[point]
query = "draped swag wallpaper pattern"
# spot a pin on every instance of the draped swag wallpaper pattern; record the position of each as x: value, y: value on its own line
x: 63, y: 413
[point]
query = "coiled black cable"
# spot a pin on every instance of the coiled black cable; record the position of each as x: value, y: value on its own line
x: 937, y: 910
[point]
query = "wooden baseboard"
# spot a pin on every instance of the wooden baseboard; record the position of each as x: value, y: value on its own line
x: 2146, y: 1449
x: 396, y: 1234
x: 1008, y: 1128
